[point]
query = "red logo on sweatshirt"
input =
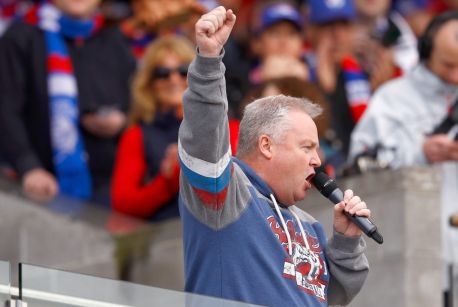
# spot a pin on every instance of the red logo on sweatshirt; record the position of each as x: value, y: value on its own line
x: 305, y: 265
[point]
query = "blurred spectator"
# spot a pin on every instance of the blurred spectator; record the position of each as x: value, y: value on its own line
x: 64, y: 85
x: 277, y: 42
x: 395, y: 43
x: 400, y: 127
x: 331, y: 159
x: 153, y: 18
x: 419, y: 13
x: 145, y: 179
x: 146, y: 174
x: 417, y: 102
x: 351, y: 59
x: 337, y: 71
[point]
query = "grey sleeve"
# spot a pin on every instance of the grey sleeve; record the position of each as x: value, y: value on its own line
x: 348, y: 267
x: 204, y: 132
x: 211, y: 187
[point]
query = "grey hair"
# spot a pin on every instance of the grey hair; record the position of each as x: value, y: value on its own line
x: 268, y: 116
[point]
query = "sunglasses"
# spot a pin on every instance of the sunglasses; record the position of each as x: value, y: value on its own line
x: 161, y: 72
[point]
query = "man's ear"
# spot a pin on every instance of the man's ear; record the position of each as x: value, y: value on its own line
x: 265, y: 146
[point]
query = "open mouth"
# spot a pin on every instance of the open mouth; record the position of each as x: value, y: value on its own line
x: 309, y: 179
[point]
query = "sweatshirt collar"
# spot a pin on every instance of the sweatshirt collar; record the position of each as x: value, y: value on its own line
x: 265, y: 190
x: 255, y: 180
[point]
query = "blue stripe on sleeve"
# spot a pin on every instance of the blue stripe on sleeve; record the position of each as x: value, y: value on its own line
x: 209, y: 184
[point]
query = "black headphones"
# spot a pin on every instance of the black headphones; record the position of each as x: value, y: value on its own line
x: 425, y: 41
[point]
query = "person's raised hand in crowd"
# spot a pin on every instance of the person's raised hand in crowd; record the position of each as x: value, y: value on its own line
x: 280, y: 67
x: 106, y: 124
x: 353, y: 205
x: 170, y: 163
x: 39, y: 185
x: 439, y: 148
x: 213, y: 30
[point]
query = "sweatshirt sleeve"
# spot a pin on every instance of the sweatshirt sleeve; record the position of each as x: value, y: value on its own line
x: 348, y: 267
x: 204, y: 151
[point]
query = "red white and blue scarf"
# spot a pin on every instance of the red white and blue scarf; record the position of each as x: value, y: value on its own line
x: 357, y: 87
x: 69, y: 155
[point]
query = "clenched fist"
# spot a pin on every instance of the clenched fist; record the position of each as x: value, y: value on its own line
x: 213, y: 30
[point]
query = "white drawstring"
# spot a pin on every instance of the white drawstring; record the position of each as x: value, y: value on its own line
x: 277, y: 208
x: 302, y: 229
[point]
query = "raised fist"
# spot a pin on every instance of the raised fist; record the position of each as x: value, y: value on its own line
x: 213, y: 30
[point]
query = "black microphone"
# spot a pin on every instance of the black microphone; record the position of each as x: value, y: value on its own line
x: 329, y: 189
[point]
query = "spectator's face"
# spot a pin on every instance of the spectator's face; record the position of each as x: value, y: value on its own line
x: 281, y: 39
x: 444, y: 56
x: 338, y: 34
x: 294, y: 159
x: 169, y: 82
x: 372, y: 8
x: 77, y: 8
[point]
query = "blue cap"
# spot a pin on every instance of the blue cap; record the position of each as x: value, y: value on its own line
x: 324, y: 11
x: 275, y: 13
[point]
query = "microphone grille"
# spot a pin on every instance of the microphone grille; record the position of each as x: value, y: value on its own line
x: 324, y: 184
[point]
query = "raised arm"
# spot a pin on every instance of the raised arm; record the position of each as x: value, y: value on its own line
x: 204, y: 149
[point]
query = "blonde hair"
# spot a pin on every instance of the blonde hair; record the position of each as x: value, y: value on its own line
x: 145, y: 104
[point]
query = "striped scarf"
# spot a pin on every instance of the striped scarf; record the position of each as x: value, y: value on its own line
x: 357, y: 87
x: 69, y: 156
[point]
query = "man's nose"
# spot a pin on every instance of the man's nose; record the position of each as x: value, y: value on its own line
x: 315, y: 161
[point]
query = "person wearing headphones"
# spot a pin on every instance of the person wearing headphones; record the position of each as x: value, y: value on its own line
x: 418, y: 102
x: 404, y: 114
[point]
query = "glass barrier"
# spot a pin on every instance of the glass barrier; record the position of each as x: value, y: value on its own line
x: 49, y: 287
x: 5, y: 282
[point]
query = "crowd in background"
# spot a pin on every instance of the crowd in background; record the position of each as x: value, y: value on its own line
x: 91, y: 91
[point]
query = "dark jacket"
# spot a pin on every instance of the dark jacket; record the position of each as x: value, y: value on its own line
x: 102, y: 65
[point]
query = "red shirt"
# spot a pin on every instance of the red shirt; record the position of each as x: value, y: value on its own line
x: 129, y: 193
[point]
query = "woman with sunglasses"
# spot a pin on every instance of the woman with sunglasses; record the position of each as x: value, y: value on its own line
x: 145, y: 178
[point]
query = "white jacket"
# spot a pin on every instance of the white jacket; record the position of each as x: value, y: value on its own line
x: 400, y: 114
